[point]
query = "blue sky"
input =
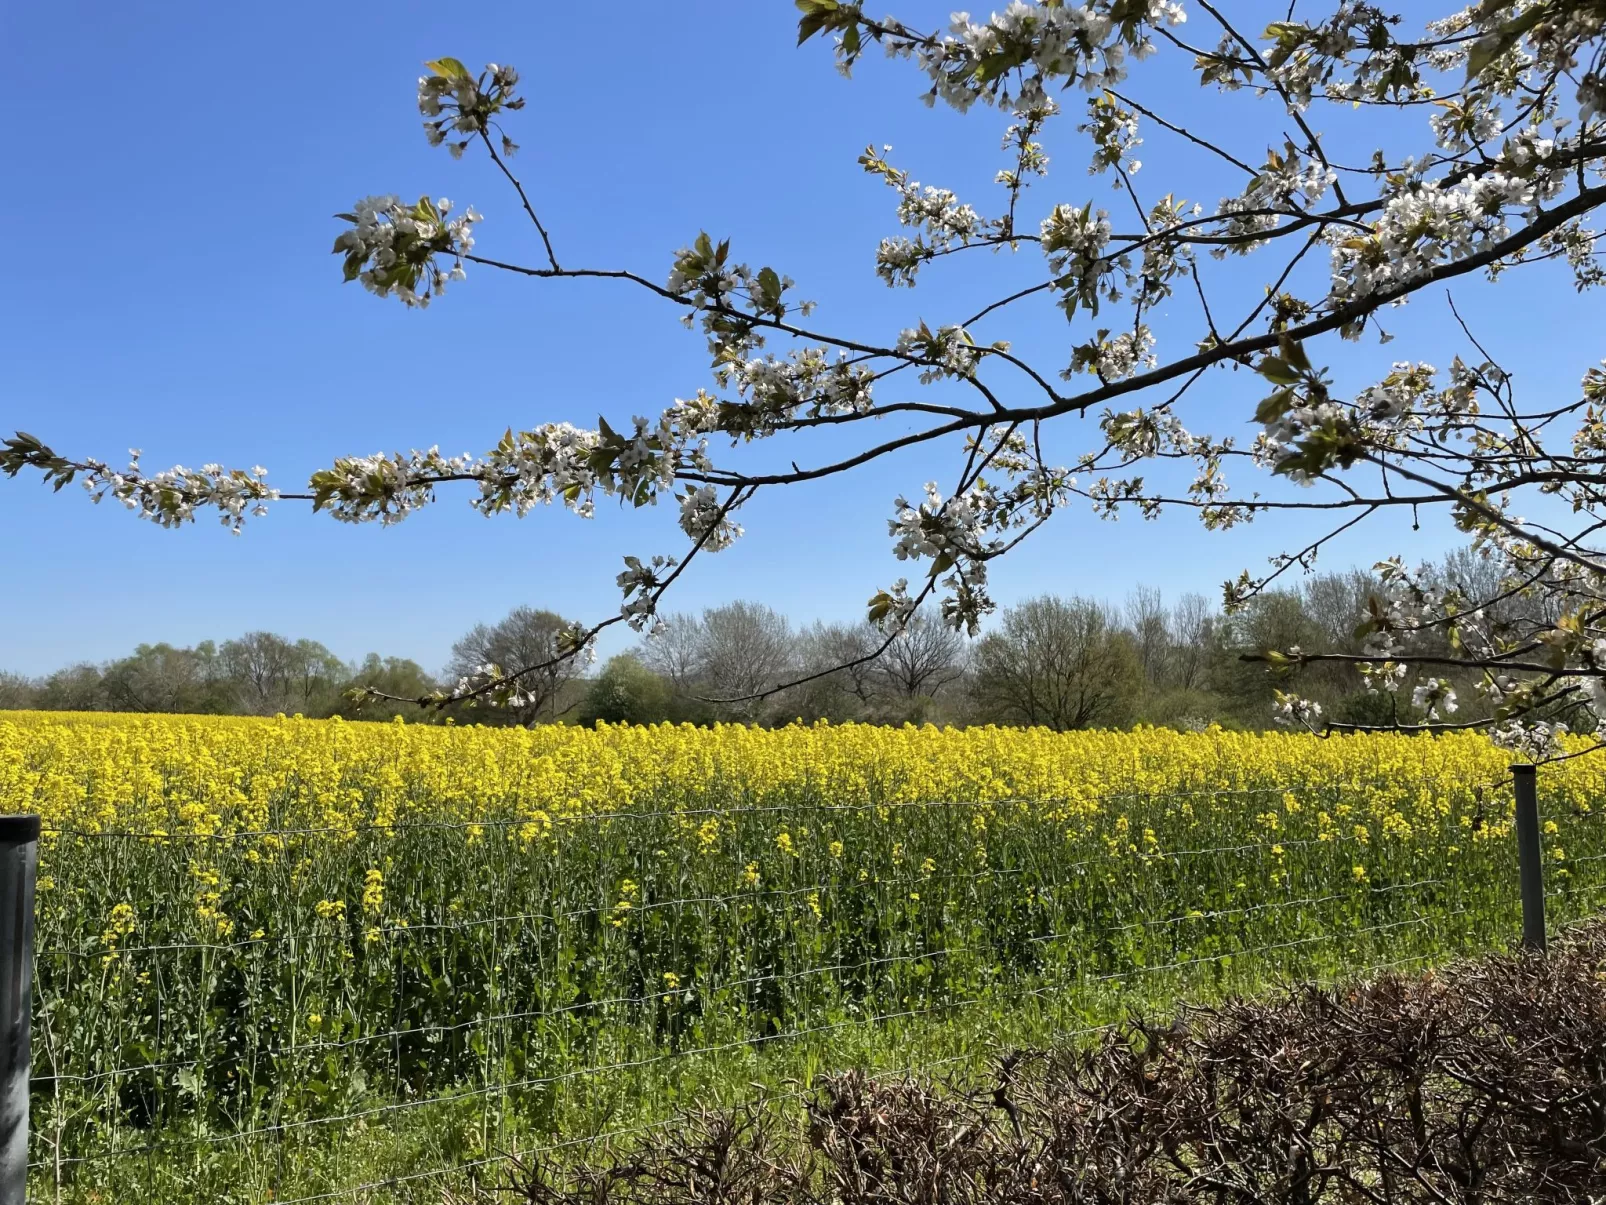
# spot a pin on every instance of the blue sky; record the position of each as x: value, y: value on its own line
x: 172, y: 172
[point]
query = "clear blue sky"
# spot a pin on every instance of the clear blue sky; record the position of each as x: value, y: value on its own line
x: 171, y: 172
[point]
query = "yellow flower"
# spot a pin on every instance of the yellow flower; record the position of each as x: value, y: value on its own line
x: 836, y: 849
x: 1359, y: 872
x: 330, y: 909
x: 671, y: 980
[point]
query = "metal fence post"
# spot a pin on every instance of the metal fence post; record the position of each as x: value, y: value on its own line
x: 19, y: 861
x: 1528, y: 857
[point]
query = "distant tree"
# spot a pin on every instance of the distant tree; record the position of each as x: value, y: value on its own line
x: 1151, y: 636
x: 527, y: 636
x: 625, y: 692
x: 1062, y: 663
x: 745, y: 648
x: 392, y: 675
x: 74, y: 688
x: 270, y: 674
x: 1273, y: 619
x: 162, y: 678
x: 17, y: 693
x: 674, y: 651
x: 1193, y: 633
x: 926, y: 657
x: 839, y: 680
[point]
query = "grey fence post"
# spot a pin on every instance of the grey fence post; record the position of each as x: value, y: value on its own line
x: 19, y: 861
x: 1529, y: 865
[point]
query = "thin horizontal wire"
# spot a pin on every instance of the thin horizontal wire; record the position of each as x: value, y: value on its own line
x: 605, y: 817
x: 735, y: 897
x: 310, y: 1048
x: 522, y: 917
x: 767, y: 1099
x: 719, y: 1048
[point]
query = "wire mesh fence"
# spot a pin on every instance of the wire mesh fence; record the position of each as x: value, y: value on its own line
x: 383, y: 1012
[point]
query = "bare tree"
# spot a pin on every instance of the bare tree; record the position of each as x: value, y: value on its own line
x: 1146, y: 619
x: 526, y: 637
x: 838, y: 659
x: 1193, y: 626
x: 926, y: 656
x: 674, y: 650
x: 1061, y: 663
x: 259, y: 666
x: 745, y: 649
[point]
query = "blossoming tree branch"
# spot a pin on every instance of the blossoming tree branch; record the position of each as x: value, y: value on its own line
x: 1507, y: 101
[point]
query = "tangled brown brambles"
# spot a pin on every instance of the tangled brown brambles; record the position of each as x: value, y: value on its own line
x: 1484, y: 1082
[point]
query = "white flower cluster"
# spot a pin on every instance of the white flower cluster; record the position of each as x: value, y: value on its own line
x: 456, y: 104
x: 1428, y: 222
x: 942, y: 220
x: 1458, y: 127
x: 1290, y: 710
x: 702, y: 518
x: 1286, y: 184
x: 951, y: 533
x: 1075, y: 240
x: 1122, y: 356
x: 362, y: 489
x: 1114, y: 133
x: 806, y: 378
x: 1022, y: 138
x: 939, y: 212
x: 392, y: 248
x: 641, y: 584
x: 948, y: 352
x: 1278, y: 441
x: 1399, y: 393
x: 1436, y: 697
x: 898, y: 260
x: 171, y: 497
x: 702, y: 273
x: 539, y: 466
x: 1077, y: 43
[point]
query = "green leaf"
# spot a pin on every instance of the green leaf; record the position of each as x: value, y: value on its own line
x: 1293, y: 351
x: 1483, y: 52
x: 448, y: 68
x: 1278, y: 372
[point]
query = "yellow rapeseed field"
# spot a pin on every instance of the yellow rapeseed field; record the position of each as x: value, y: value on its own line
x: 252, y: 931
x: 195, y: 774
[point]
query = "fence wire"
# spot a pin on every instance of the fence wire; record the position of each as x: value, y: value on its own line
x: 748, y: 961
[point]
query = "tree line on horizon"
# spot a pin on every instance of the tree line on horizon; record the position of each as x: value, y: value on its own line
x: 1062, y: 662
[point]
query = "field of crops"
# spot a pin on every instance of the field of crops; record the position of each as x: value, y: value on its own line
x: 279, y: 959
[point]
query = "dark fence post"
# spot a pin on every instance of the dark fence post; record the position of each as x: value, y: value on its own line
x: 19, y: 861
x: 1531, y: 868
